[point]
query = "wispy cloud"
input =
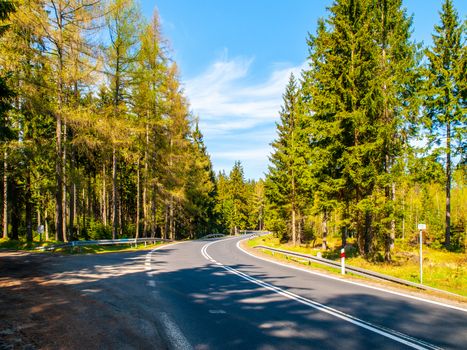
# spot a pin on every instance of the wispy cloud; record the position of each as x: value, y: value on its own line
x: 224, y: 91
x: 233, y: 108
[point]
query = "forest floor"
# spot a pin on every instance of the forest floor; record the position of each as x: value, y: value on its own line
x: 442, y: 269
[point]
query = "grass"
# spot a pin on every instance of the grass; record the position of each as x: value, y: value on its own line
x: 92, y: 249
x: 441, y: 269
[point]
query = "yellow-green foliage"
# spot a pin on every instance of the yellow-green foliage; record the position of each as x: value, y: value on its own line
x: 442, y: 269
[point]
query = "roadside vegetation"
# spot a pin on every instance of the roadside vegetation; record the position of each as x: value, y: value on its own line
x: 24, y: 245
x: 443, y: 269
x: 371, y: 137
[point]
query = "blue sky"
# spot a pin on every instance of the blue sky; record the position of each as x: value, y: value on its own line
x: 235, y: 58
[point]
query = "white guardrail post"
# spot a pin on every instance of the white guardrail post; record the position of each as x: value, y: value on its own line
x: 343, y: 261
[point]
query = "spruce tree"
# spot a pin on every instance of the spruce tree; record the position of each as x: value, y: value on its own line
x: 237, y: 200
x: 446, y: 94
x: 283, y: 185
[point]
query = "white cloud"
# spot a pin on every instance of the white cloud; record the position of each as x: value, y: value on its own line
x: 237, y: 114
x: 223, y: 93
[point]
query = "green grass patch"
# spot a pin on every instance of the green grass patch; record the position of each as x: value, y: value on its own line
x: 441, y: 269
x: 102, y: 249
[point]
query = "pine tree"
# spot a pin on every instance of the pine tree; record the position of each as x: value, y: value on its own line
x: 446, y: 93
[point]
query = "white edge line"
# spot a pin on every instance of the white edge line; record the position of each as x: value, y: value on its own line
x: 350, y: 282
x: 172, y: 331
x: 389, y: 333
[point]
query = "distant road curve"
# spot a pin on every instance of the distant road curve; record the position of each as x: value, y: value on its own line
x: 213, y: 295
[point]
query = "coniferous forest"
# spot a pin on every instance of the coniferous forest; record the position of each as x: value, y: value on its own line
x: 98, y: 140
x: 371, y: 137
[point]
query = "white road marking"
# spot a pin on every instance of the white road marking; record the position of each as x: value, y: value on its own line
x: 386, y: 332
x: 350, y: 282
x: 175, y: 336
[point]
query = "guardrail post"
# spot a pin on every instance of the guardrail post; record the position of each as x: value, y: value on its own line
x: 343, y: 261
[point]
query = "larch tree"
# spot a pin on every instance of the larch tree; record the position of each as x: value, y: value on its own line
x: 120, y: 56
x: 6, y: 93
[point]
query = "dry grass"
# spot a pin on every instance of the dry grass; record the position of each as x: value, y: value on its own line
x: 441, y: 269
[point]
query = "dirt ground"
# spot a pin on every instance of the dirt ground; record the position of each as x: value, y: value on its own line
x: 36, y: 313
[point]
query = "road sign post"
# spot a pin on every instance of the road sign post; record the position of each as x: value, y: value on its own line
x: 421, y: 228
x: 343, y: 261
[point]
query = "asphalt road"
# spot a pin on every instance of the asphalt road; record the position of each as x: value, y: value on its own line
x: 221, y: 298
x: 211, y: 295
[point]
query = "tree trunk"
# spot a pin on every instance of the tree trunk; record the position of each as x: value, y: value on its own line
x: 145, y: 184
x: 72, y: 197
x: 166, y: 222
x: 104, y: 197
x: 153, y: 223
x: 58, y: 176
x: 294, y: 233
x: 447, y: 240
x: 5, y: 195
x: 29, y: 208
x: 171, y: 219
x: 114, y: 194
x: 64, y: 180
x: 59, y: 229
x: 393, y: 220
x: 324, y: 245
x: 138, y: 195
x: 15, y: 212
x: 46, y: 224
x: 84, y: 212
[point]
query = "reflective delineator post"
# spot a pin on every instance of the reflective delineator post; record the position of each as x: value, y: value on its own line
x: 343, y: 261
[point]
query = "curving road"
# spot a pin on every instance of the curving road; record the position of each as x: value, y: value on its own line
x: 212, y: 295
x: 208, y: 295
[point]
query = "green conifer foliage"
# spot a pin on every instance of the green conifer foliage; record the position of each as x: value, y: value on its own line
x: 446, y: 95
x: 284, y: 187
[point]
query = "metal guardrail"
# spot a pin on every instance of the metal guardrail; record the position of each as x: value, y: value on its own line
x: 73, y: 244
x: 355, y: 270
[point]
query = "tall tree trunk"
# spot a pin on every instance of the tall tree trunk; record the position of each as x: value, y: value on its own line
x: 447, y: 240
x: 138, y: 200
x: 15, y: 212
x: 299, y: 228
x: 5, y: 195
x: 46, y: 224
x: 58, y: 175
x: 64, y: 177
x: 145, y: 183
x: 324, y: 245
x: 166, y: 222
x: 171, y: 219
x: 153, y: 223
x: 104, y: 196
x: 294, y: 233
x: 28, y: 206
x: 393, y: 219
x: 84, y: 211
x: 72, y: 196
x: 114, y: 194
